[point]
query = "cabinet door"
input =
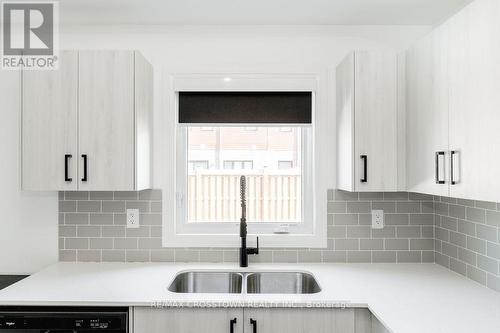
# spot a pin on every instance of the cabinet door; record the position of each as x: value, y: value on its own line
x: 345, y: 124
x: 306, y: 320
x: 185, y: 320
x: 427, y: 114
x: 106, y: 120
x: 49, y: 126
x: 475, y: 101
x: 376, y: 122
x: 143, y: 122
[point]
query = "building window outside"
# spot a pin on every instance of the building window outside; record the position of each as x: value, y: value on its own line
x: 197, y: 165
x: 238, y: 165
x: 285, y: 165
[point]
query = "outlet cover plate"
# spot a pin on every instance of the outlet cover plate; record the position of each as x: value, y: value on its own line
x: 377, y: 219
x: 132, y: 218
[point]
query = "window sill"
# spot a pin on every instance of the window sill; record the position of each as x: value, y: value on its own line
x: 233, y: 241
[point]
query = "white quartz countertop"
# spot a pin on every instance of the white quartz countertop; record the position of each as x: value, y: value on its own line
x: 406, y: 298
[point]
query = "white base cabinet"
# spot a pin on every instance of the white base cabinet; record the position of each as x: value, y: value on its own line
x: 88, y: 125
x: 301, y: 321
x: 186, y: 320
x: 368, y: 126
x: 254, y: 320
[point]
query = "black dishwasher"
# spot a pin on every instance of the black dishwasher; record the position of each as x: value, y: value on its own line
x: 63, y: 319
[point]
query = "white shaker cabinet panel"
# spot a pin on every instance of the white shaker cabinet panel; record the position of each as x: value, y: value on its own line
x: 187, y: 320
x: 106, y: 120
x: 143, y: 123
x: 427, y: 114
x: 49, y: 126
x: 367, y: 122
x: 306, y: 320
x: 345, y: 124
x: 261, y: 320
x: 474, y: 61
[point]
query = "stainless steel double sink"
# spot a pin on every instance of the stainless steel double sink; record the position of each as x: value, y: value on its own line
x: 264, y: 282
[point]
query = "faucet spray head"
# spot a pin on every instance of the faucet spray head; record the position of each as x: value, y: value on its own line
x: 243, y: 220
x: 243, y: 188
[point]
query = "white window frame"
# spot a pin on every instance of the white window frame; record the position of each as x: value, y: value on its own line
x: 315, y: 218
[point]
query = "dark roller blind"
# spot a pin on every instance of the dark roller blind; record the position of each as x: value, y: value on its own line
x: 245, y: 107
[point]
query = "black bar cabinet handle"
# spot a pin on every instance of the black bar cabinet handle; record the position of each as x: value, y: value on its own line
x: 232, y: 322
x: 365, y: 168
x: 67, y: 178
x: 438, y: 181
x: 253, y: 322
x: 85, y: 160
x: 452, y: 180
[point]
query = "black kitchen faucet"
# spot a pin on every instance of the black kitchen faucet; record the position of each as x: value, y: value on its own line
x: 244, y: 251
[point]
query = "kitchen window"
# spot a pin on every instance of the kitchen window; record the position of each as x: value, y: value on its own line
x: 268, y: 137
x: 285, y: 165
x: 276, y: 198
x: 194, y: 165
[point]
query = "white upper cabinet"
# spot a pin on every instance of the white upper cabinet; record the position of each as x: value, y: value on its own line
x: 106, y: 122
x: 427, y: 114
x: 103, y: 120
x: 49, y: 126
x: 367, y: 123
x: 453, y: 106
x: 474, y: 61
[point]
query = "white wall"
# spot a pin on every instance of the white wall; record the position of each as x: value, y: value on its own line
x: 28, y: 221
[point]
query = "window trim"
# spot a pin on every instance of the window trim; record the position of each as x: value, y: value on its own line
x: 171, y: 235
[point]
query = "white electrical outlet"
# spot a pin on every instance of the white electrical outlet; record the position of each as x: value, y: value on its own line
x: 377, y: 219
x: 133, y: 218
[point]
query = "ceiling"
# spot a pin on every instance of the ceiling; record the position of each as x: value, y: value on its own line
x: 258, y: 12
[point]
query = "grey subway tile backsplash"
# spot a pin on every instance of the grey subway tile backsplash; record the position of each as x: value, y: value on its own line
x: 76, y: 218
x: 493, y: 282
x: 67, y: 206
x: 475, y: 214
x: 113, y: 206
x: 476, y: 274
x: 88, y: 231
x: 409, y: 256
x: 89, y: 255
x: 493, y: 217
x: 113, y: 255
x: 462, y: 235
x: 469, y: 235
x: 126, y: 195
x: 96, y: 221
x: 84, y: 206
x: 138, y: 256
x: 76, y: 195
x: 486, y: 205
